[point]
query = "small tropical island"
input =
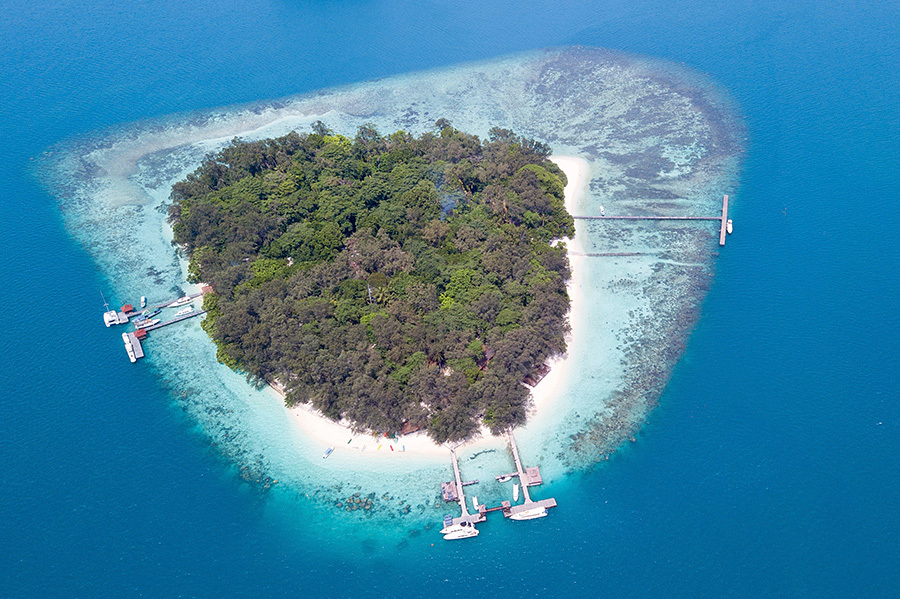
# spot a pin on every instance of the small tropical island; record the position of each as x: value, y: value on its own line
x: 396, y: 282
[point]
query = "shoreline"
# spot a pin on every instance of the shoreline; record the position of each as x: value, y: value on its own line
x: 315, y: 427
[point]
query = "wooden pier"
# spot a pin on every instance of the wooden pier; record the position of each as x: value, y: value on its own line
x: 722, y: 230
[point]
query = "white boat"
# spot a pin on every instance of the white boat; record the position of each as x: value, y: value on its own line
x: 463, y: 530
x: 143, y: 301
x: 516, y: 492
x: 327, y: 452
x: 728, y: 226
x: 129, y: 348
x: 530, y: 514
x: 110, y: 318
x: 602, y: 211
x: 475, y: 502
x: 184, y: 311
x: 181, y: 301
x: 142, y: 324
x: 504, y: 479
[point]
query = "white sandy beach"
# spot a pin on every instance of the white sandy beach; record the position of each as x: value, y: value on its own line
x: 316, y: 427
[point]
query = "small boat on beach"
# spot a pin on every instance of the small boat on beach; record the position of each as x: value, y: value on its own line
x: 516, y: 492
x: 327, y: 452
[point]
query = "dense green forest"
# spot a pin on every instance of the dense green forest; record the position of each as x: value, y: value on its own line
x: 393, y: 280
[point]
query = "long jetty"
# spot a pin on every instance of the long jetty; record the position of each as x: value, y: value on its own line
x: 723, y: 218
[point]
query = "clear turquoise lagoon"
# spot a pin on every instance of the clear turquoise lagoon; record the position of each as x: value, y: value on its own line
x: 758, y: 381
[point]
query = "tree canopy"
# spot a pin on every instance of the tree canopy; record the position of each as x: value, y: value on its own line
x: 388, y: 279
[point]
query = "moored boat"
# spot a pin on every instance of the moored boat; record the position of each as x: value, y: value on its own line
x: 181, y: 301
x: 142, y: 324
x: 728, y: 226
x: 463, y: 530
x: 530, y: 514
x: 184, y: 311
x: 602, y: 211
x: 143, y: 301
x: 129, y: 348
x: 516, y: 492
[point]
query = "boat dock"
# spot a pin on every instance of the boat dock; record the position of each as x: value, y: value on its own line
x: 132, y: 340
x: 723, y: 219
x: 528, y: 477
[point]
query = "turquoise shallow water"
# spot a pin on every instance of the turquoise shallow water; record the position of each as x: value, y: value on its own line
x: 764, y: 470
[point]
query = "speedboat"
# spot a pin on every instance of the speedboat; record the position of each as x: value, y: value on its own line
x: 463, y: 530
x: 530, y: 514
x: 729, y: 227
x: 143, y: 301
x: 184, y: 311
x: 475, y: 502
x: 150, y: 313
x: 142, y: 324
x: 504, y: 479
x: 181, y: 301
x: 516, y: 492
x: 602, y: 211
x: 327, y: 452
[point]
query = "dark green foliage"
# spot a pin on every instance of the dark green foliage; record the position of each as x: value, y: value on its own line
x: 340, y: 271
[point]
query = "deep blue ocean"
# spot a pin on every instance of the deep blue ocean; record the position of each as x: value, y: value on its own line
x: 770, y: 466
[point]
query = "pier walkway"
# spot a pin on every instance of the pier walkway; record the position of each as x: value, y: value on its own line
x: 461, y: 496
x: 723, y: 219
